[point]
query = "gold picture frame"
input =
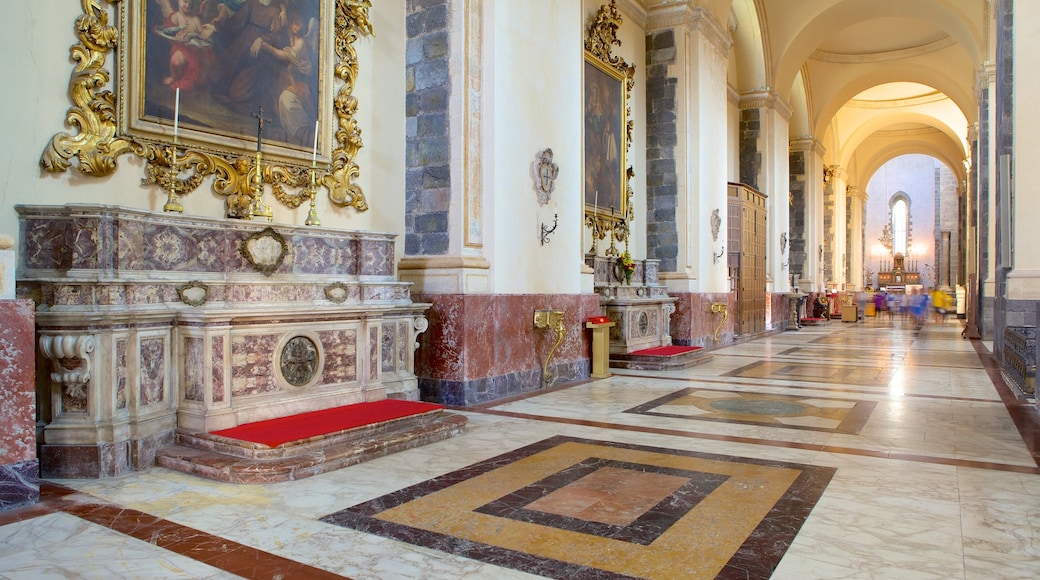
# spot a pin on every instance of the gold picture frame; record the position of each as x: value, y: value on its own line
x: 208, y: 141
x: 608, y: 85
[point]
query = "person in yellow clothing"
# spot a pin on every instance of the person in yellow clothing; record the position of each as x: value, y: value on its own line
x: 941, y: 304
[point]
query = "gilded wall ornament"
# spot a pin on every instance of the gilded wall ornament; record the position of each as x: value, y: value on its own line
x: 105, y: 132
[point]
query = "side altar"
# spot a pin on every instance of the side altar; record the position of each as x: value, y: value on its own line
x: 639, y: 306
x: 148, y: 323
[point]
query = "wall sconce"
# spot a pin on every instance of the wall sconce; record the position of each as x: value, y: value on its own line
x: 547, y: 231
x: 716, y: 255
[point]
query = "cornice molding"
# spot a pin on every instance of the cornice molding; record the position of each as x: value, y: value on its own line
x: 443, y: 263
x: 732, y: 95
x: 767, y: 99
x: 887, y: 56
x: 635, y: 12
x: 693, y: 19
x: 811, y: 144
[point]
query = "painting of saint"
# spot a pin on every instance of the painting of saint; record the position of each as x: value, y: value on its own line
x: 603, y: 139
x: 231, y: 57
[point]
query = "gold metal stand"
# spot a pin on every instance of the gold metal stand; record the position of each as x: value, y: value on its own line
x: 312, y: 216
x: 258, y: 208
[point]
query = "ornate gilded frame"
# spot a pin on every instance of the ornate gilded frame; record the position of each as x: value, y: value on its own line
x: 104, y: 135
x: 610, y: 80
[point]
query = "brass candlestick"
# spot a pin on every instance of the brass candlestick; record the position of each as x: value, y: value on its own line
x: 312, y: 216
x: 258, y: 208
x: 175, y: 185
x: 165, y: 172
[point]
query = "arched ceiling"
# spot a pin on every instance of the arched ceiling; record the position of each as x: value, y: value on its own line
x: 906, y: 61
x: 894, y: 72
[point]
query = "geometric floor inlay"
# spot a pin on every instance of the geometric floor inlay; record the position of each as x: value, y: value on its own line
x: 872, y: 376
x: 578, y: 508
x: 786, y: 411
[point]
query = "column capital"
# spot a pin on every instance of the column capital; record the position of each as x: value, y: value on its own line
x: 832, y: 172
x: 693, y: 19
x: 765, y: 98
x: 808, y: 143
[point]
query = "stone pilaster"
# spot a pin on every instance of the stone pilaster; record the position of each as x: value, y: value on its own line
x: 806, y: 216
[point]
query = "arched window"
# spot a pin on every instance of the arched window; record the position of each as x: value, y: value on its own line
x: 899, y: 215
x: 899, y: 223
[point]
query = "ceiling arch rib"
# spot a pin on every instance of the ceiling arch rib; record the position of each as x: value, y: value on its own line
x: 942, y: 14
x: 959, y: 94
x: 902, y: 147
x: 753, y: 65
x: 879, y: 126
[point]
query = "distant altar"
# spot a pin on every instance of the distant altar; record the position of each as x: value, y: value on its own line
x: 898, y: 277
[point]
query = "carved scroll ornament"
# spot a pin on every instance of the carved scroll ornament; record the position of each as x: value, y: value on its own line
x: 100, y: 139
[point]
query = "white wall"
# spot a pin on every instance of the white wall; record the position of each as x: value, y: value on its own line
x: 535, y: 94
x: 33, y: 110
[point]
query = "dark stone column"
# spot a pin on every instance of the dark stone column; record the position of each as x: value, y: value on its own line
x: 662, y: 242
x: 428, y: 157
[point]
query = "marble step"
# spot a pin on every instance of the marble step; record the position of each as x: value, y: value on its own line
x: 660, y: 363
x: 234, y: 461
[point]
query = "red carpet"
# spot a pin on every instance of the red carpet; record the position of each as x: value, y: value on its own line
x: 275, y: 432
x: 665, y: 350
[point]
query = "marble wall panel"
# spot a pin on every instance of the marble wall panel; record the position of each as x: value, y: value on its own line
x: 194, y: 369
x: 694, y: 324
x: 252, y: 365
x: 403, y: 345
x: 323, y: 255
x: 218, y: 369
x: 373, y: 353
x: 121, y: 373
x: 19, y: 484
x: 442, y: 345
x: 17, y: 382
x: 388, y: 350
x: 175, y: 248
x: 385, y: 292
x: 376, y: 257
x: 153, y: 371
x: 340, y: 348
x: 482, y: 347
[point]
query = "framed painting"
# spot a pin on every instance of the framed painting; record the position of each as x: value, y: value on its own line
x: 605, y: 145
x: 234, y: 63
x: 608, y: 82
x: 203, y: 84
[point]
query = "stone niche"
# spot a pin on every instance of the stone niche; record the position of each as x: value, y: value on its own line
x: 148, y: 322
x: 641, y: 309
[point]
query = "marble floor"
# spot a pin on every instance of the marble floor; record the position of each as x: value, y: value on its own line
x: 867, y: 450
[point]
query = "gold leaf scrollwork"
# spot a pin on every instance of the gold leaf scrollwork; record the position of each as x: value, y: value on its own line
x: 351, y: 21
x: 100, y: 140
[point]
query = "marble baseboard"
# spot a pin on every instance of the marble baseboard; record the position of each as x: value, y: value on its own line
x: 103, y: 459
x: 19, y: 484
x: 477, y: 391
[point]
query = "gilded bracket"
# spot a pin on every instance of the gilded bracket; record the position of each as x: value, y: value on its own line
x: 717, y: 308
x: 553, y: 320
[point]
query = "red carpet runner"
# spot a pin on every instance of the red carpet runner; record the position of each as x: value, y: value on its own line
x: 275, y: 432
x: 665, y: 350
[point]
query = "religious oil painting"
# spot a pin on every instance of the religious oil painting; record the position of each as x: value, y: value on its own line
x: 605, y: 147
x: 215, y: 68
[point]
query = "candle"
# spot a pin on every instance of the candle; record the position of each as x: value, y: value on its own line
x: 314, y: 156
x: 595, y: 203
x: 176, y: 114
